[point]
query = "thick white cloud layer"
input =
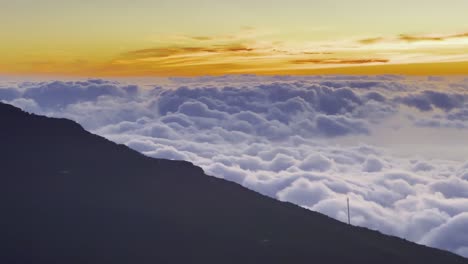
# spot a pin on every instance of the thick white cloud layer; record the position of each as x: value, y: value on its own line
x: 313, y: 141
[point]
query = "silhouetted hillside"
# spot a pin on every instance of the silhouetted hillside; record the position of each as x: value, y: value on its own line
x: 68, y: 196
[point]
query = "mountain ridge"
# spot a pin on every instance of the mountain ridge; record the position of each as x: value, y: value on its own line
x: 71, y: 196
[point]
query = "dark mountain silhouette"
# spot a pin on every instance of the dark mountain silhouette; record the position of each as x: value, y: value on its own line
x: 68, y: 196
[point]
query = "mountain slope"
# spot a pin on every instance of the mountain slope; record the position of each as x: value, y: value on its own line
x: 68, y: 196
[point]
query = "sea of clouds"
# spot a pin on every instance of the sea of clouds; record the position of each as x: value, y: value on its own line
x: 312, y: 141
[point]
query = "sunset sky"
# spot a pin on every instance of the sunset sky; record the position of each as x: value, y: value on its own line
x: 309, y: 102
x: 213, y: 37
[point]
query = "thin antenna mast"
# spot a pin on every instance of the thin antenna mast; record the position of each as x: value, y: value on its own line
x: 349, y: 217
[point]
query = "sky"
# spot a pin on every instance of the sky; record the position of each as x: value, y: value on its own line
x: 305, y: 101
x: 116, y: 38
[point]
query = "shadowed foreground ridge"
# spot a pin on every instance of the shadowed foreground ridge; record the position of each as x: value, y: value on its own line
x: 68, y: 196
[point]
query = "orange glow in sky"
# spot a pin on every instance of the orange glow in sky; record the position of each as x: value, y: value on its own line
x: 181, y: 38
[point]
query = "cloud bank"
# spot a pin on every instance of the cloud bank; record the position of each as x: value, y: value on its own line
x: 313, y: 141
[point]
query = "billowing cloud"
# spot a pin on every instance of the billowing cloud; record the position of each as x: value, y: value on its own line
x: 312, y: 140
x: 427, y: 100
